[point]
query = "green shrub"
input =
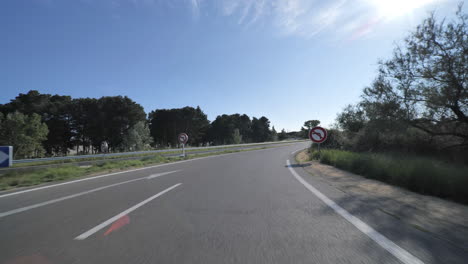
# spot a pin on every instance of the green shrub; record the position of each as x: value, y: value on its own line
x: 418, y: 174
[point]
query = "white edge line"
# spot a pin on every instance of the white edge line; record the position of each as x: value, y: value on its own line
x: 384, y: 242
x: 129, y: 210
x: 26, y: 208
x: 292, y: 153
x: 115, y: 173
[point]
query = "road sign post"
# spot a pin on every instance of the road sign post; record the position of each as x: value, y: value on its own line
x: 183, y: 138
x: 318, y: 135
x: 6, y: 156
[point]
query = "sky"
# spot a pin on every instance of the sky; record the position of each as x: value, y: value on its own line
x: 288, y: 60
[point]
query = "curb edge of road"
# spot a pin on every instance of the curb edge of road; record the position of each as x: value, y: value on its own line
x: 381, y: 240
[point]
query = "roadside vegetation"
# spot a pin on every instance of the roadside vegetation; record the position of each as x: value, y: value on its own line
x: 418, y: 102
x: 17, y: 179
x: 46, y: 125
x: 410, y: 127
x: 419, y: 174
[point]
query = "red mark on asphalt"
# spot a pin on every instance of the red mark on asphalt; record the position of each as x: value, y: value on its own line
x: 124, y: 220
x: 36, y: 259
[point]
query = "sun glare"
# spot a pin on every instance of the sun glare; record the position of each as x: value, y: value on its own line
x: 395, y: 8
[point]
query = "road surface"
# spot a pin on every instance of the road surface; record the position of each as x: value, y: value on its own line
x: 247, y: 207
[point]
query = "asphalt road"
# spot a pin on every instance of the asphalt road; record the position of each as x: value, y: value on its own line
x: 247, y: 207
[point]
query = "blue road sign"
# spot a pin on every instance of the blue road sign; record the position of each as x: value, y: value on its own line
x: 6, y: 156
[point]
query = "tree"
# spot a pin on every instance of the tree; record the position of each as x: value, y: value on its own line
x: 199, y: 126
x: 352, y: 118
x: 54, y: 110
x: 105, y: 119
x: 311, y: 124
x: 166, y: 124
x: 274, y: 134
x: 30, y: 103
x: 308, y: 126
x: 245, y: 128
x: 24, y: 133
x: 282, y: 135
x: 115, y: 116
x: 86, y: 123
x: 236, y: 137
x: 334, y: 139
x: 257, y: 130
x: 419, y: 100
x: 261, y: 129
x: 425, y: 83
x: 58, y: 118
x: 137, y: 138
x: 222, y: 129
x: 266, y: 133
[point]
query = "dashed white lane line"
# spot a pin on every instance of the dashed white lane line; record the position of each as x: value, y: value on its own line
x: 129, y: 210
x: 26, y: 208
x: 401, y: 254
x: 106, y: 175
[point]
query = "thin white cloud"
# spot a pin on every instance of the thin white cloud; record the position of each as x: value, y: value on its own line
x: 229, y: 7
x: 316, y: 21
x: 350, y: 19
x: 308, y: 18
x: 195, y: 7
x: 291, y: 17
x: 259, y: 10
x: 245, y: 11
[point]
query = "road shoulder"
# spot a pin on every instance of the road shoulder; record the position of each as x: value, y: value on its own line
x: 440, y: 218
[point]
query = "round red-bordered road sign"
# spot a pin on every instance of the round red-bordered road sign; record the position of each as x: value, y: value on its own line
x: 183, y: 138
x: 318, y: 134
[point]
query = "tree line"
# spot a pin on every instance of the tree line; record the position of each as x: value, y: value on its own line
x: 43, y: 124
x: 418, y: 102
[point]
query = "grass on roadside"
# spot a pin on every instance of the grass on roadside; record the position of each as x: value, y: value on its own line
x: 418, y: 174
x: 16, y: 179
x: 68, y: 161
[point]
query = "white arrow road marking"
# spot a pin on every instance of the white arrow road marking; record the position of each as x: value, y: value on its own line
x: 401, y: 254
x: 152, y: 176
x: 115, y: 218
x: 19, y: 210
x: 123, y: 172
x: 3, y: 156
